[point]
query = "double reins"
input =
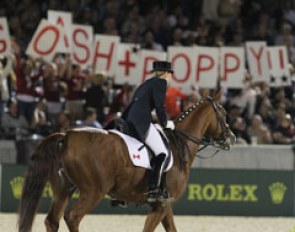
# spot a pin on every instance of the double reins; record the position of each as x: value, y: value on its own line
x: 209, y: 141
x: 205, y: 141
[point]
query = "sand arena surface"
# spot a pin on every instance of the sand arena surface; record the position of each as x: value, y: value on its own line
x: 134, y: 223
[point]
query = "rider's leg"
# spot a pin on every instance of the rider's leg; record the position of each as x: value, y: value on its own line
x: 156, y: 144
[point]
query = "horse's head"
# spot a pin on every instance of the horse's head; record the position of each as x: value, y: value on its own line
x: 218, y: 130
x: 209, y: 118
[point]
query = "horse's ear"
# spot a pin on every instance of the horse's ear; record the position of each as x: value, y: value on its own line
x: 218, y: 95
x: 206, y: 93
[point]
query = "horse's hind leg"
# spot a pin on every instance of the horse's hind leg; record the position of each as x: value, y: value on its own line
x: 62, y: 191
x: 168, y: 222
x: 56, y: 212
x: 86, y: 202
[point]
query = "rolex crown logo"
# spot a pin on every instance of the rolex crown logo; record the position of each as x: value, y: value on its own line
x: 47, y: 192
x: 277, y: 192
x: 17, y: 186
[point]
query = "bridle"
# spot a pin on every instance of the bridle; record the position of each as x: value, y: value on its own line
x: 222, y: 141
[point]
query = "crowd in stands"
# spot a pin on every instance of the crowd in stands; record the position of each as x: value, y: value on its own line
x: 41, y: 97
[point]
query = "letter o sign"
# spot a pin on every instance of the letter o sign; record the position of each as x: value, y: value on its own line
x: 186, y: 60
x: 45, y: 30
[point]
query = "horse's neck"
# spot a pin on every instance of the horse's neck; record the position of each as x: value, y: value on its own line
x: 195, y: 125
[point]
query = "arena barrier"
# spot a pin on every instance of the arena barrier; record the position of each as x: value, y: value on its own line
x: 209, y: 192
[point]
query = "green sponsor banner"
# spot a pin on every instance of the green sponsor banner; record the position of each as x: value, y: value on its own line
x: 238, y: 192
x: 11, y: 188
x: 209, y: 192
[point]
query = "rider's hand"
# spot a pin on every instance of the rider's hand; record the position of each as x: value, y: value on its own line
x: 170, y: 125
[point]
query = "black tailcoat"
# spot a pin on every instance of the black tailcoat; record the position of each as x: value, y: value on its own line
x: 149, y: 95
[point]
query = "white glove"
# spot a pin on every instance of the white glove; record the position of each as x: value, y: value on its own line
x: 170, y: 125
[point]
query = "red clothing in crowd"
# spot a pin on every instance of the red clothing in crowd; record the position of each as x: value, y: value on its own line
x: 75, y: 87
x: 25, y: 83
x: 173, y: 95
x: 51, y: 89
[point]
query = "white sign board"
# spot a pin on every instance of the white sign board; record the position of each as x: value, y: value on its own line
x: 183, y: 60
x: 5, y: 47
x: 206, y: 67
x: 64, y: 20
x: 257, y: 61
x: 232, y: 66
x: 82, y: 42
x: 128, y: 61
x: 105, y: 54
x: 278, y: 66
x: 45, y: 41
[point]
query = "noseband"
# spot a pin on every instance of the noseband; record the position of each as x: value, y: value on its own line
x: 221, y: 141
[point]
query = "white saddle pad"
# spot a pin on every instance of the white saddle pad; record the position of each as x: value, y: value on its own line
x: 138, y: 152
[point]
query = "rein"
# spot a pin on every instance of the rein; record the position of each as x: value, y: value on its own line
x: 205, y: 141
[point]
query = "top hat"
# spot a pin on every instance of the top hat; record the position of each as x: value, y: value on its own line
x: 162, y: 66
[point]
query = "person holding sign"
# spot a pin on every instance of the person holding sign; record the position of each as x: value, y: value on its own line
x: 148, y: 96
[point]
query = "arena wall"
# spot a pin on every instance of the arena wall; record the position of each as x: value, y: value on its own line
x: 209, y: 192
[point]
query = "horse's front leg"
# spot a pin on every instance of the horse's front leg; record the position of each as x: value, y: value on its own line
x: 168, y: 221
x: 155, y: 216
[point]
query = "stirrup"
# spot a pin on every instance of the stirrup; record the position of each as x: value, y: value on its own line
x: 155, y: 195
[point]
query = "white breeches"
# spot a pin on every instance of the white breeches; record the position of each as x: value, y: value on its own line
x: 155, y: 141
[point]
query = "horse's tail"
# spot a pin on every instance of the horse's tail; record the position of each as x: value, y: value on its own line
x: 43, y: 157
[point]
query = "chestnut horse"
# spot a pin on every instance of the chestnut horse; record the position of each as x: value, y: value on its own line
x: 96, y: 163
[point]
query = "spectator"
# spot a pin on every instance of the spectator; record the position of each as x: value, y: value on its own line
x: 289, y: 12
x: 265, y: 110
x: 259, y: 132
x: 264, y: 30
x: 110, y: 92
x: 110, y: 27
x: 5, y: 70
x: 122, y: 98
x: 14, y: 125
x: 90, y: 118
x: 95, y: 95
x: 149, y: 42
x: 210, y: 10
x: 177, y: 39
x: 26, y: 82
x: 285, y: 32
x: 53, y: 90
x: 246, y: 99
x: 63, y: 122
x: 135, y: 23
x: 238, y: 127
x: 74, y: 97
x: 40, y: 123
x: 174, y: 101
x: 284, y: 133
x: 233, y: 112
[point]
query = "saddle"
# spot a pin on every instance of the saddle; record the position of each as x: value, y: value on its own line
x: 123, y: 127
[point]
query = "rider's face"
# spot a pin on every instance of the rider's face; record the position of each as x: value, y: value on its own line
x: 167, y: 76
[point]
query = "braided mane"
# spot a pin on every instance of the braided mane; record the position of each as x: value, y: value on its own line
x: 178, y: 139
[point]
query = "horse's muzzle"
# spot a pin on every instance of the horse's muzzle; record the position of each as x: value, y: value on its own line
x: 230, y: 139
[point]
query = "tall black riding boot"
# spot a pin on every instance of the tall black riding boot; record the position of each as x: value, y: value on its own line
x: 155, y: 192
